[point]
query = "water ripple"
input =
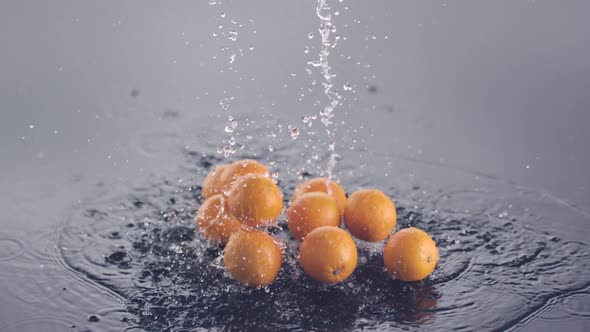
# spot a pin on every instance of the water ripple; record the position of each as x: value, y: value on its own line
x: 498, y: 266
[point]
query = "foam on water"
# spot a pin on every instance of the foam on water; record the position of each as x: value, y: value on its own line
x: 497, y: 268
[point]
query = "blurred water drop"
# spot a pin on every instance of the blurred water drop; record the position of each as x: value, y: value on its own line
x: 347, y: 86
x: 228, y: 150
x: 310, y: 35
x: 294, y: 131
x: 308, y: 119
x: 222, y: 14
x: 306, y: 50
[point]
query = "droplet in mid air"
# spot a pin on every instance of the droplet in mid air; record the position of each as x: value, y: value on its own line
x: 294, y: 131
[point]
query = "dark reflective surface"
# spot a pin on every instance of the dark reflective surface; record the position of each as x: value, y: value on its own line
x: 469, y: 115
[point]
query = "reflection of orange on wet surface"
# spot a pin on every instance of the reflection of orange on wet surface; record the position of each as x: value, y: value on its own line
x: 410, y: 255
x: 328, y: 254
x: 252, y: 257
x: 255, y: 200
x: 321, y: 185
x: 370, y: 215
x: 310, y: 211
x: 214, y: 221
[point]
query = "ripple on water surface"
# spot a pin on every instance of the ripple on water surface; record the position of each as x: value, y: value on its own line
x: 496, y: 267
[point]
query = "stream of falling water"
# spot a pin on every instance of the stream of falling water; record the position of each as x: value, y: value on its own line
x: 329, y: 40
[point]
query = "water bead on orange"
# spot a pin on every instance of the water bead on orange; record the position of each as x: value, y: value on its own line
x: 255, y: 200
x: 221, y: 179
x: 212, y: 183
x: 239, y: 169
x: 370, y: 215
x: 214, y: 221
x: 310, y: 211
x: 320, y: 185
x: 410, y: 255
x: 252, y: 257
x: 328, y: 254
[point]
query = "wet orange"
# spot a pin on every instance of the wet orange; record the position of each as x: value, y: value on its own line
x: 410, y: 255
x: 255, y: 200
x: 328, y: 254
x: 221, y: 179
x: 239, y: 169
x: 310, y: 211
x: 214, y: 221
x: 252, y: 257
x: 212, y: 183
x: 370, y: 215
x: 319, y: 185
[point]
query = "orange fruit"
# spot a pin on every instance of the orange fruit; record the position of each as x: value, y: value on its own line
x: 252, y: 257
x: 320, y: 185
x: 370, y: 215
x: 215, y: 222
x: 410, y: 254
x: 212, y: 183
x: 310, y: 211
x: 239, y: 169
x: 328, y: 254
x: 255, y: 200
x: 221, y: 179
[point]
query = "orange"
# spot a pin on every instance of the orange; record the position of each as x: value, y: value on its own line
x: 212, y: 183
x: 328, y: 254
x: 370, y: 215
x: 221, y: 179
x: 320, y: 185
x: 239, y: 169
x: 214, y: 221
x: 255, y: 200
x: 410, y: 255
x: 252, y: 257
x: 310, y: 211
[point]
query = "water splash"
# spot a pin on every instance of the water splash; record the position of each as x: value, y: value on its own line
x: 327, y: 33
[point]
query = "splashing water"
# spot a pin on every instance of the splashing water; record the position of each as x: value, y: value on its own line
x: 498, y: 266
x: 327, y: 30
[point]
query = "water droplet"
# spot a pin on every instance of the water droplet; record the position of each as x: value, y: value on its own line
x: 232, y: 58
x: 306, y: 50
x: 222, y: 14
x: 293, y: 74
x: 347, y: 86
x: 294, y: 131
x: 251, y: 48
x: 310, y: 35
x: 31, y: 126
x: 228, y: 150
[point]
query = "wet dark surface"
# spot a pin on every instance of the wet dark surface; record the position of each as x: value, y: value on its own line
x: 472, y: 117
